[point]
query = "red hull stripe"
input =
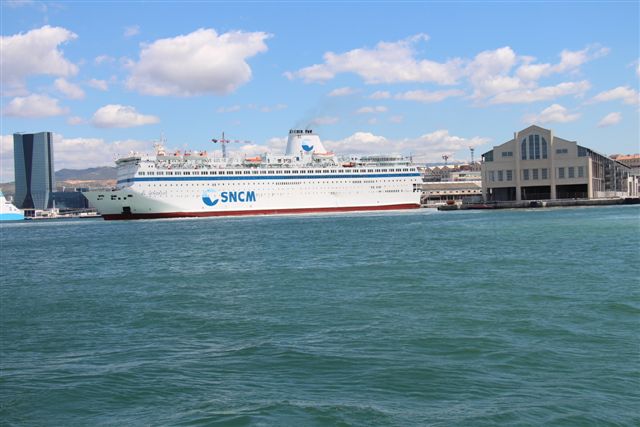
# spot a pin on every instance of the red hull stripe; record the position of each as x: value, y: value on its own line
x: 257, y: 212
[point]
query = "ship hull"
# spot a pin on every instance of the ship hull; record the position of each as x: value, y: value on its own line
x: 283, y: 211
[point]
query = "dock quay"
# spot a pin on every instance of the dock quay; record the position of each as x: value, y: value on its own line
x: 528, y: 204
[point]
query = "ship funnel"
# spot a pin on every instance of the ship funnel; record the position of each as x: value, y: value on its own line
x: 303, y: 141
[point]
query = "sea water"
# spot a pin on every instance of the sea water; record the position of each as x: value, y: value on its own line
x: 514, y: 317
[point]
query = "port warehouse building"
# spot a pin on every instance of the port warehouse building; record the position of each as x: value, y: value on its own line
x: 537, y: 165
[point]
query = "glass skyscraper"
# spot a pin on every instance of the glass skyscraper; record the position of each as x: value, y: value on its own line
x: 33, y: 162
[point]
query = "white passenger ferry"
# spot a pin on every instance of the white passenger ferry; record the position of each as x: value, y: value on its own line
x: 307, y: 178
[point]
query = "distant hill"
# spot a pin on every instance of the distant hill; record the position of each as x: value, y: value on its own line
x: 91, y: 174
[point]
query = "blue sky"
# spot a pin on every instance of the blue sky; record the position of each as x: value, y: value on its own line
x: 417, y: 78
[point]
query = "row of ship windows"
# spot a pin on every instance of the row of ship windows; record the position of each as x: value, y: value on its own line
x: 270, y: 172
x: 267, y: 183
x: 535, y: 174
x: 305, y: 193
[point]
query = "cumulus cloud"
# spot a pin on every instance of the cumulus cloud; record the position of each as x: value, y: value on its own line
x: 428, y: 97
x: 554, y: 113
x: 34, y: 106
x: 610, y: 120
x: 545, y: 93
x: 387, y: 62
x: 343, y: 91
x: 492, y: 79
x: 569, y: 61
x: 623, y: 93
x: 425, y: 148
x: 68, y: 89
x: 121, y: 116
x: 44, y: 57
x: 98, y: 84
x: 372, y: 110
x: 202, y: 62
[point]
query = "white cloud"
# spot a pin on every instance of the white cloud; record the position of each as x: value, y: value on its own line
x: 554, y: 113
x: 98, y: 84
x: 396, y: 119
x: 34, y: 106
x: 381, y: 94
x: 623, y: 93
x: 6, y: 158
x: 229, y: 109
x: 343, y: 91
x: 81, y: 153
x: 75, y: 120
x: 131, y: 31
x: 428, y: 97
x: 425, y: 148
x: 489, y: 72
x: 610, y: 120
x: 103, y: 59
x: 546, y: 93
x: 569, y: 61
x: 326, y: 120
x: 372, y: 110
x: 387, y: 62
x: 121, y: 116
x: 69, y: 90
x: 32, y: 53
x: 491, y: 76
x: 198, y: 63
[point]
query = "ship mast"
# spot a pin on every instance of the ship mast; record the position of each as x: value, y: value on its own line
x: 223, y: 142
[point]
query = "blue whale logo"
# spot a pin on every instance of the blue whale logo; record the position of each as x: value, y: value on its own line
x: 210, y: 197
x: 307, y: 147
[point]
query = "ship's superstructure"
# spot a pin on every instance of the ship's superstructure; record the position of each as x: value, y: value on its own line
x: 307, y: 178
x: 8, y: 212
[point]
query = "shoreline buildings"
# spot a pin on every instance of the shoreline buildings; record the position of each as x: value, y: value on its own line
x: 538, y: 165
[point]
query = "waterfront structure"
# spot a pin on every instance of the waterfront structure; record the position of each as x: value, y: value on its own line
x: 631, y: 160
x: 538, y: 165
x: 69, y: 200
x: 438, y: 193
x: 307, y: 178
x: 33, y: 165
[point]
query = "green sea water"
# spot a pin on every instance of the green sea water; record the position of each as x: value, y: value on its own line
x: 469, y: 318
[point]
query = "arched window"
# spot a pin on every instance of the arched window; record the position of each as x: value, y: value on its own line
x: 544, y: 148
x: 523, y: 149
x: 531, y: 148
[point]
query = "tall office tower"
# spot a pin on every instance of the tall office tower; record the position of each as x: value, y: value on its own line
x: 33, y: 164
